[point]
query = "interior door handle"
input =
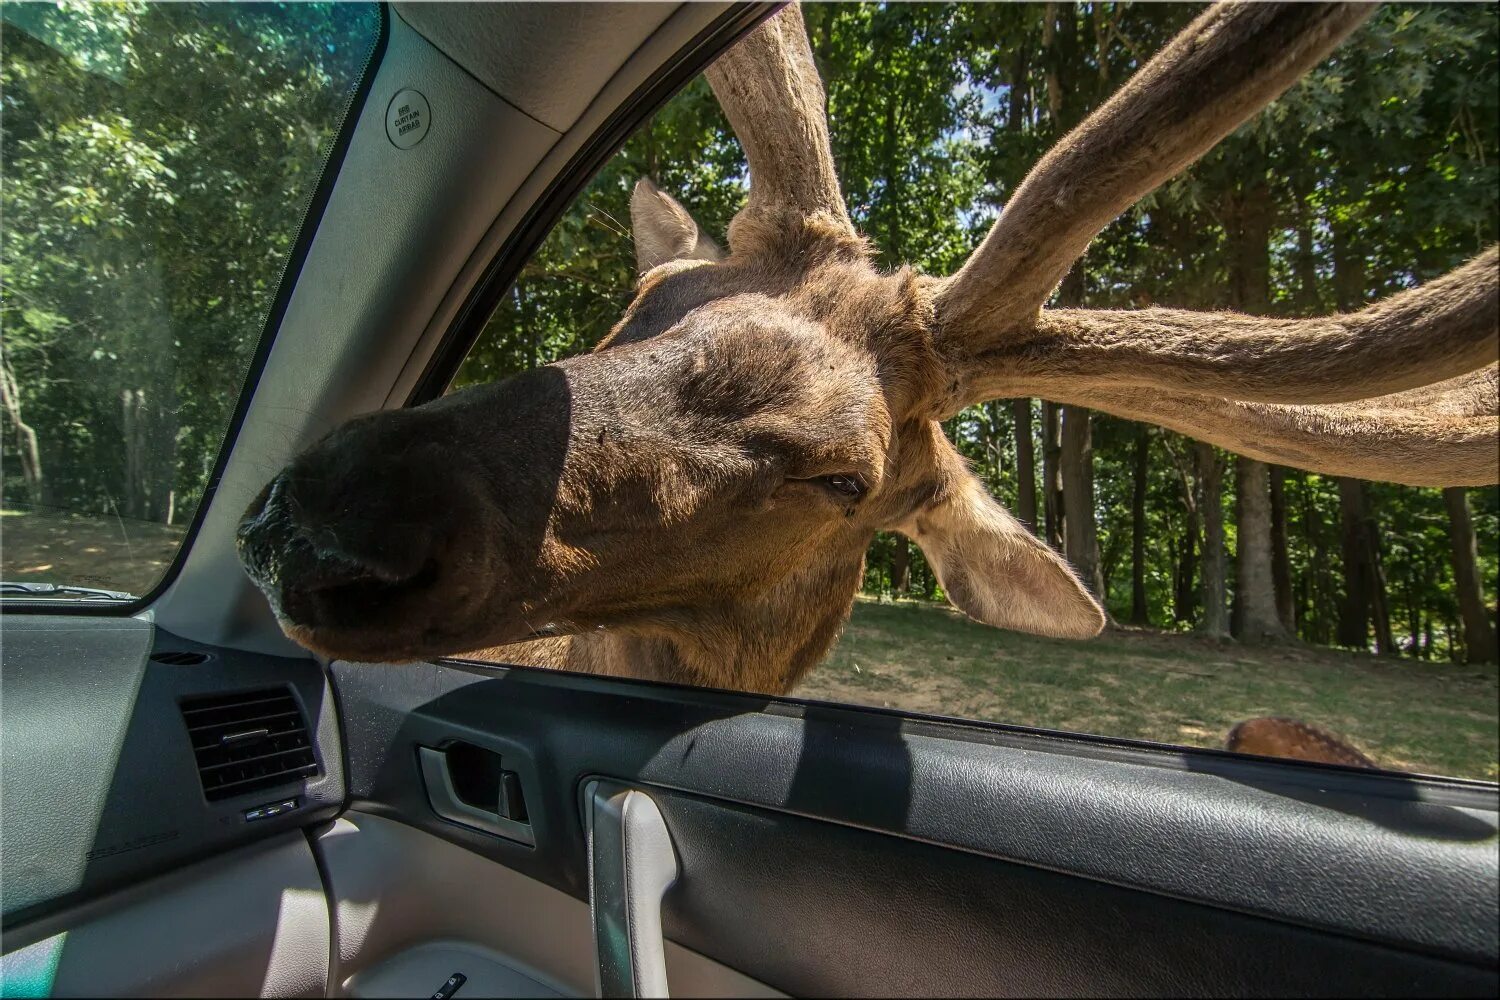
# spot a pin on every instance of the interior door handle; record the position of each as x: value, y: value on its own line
x: 446, y: 803
x: 631, y: 866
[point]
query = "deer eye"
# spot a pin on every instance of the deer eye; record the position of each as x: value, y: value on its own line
x: 842, y: 485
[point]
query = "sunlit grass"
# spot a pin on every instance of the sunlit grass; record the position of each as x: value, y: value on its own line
x: 1436, y: 718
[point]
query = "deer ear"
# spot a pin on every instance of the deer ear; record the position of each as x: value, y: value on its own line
x: 997, y: 572
x: 664, y: 230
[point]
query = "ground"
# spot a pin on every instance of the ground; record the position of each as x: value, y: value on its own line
x: 1438, y: 718
x: 50, y: 546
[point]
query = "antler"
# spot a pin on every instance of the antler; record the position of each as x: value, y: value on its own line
x: 1238, y: 381
x: 1220, y: 70
x: 1241, y: 382
x: 771, y: 93
x: 1440, y: 435
x: 1441, y: 330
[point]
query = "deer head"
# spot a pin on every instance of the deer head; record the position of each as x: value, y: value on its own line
x: 703, y: 485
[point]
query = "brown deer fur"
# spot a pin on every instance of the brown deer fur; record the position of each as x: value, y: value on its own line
x: 692, y: 501
x: 1276, y: 737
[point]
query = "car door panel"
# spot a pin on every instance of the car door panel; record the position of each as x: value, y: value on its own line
x: 832, y: 850
x: 824, y: 909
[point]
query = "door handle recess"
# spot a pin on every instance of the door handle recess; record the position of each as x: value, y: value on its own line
x: 446, y: 803
x: 631, y: 866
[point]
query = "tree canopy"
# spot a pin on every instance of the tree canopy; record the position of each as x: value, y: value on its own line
x: 158, y: 161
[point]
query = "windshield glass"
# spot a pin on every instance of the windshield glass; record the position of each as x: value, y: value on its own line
x: 158, y: 163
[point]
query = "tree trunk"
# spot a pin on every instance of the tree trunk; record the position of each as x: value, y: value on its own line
x: 1480, y: 640
x: 1414, y: 574
x: 1380, y: 603
x: 1016, y: 105
x: 27, y: 449
x: 1348, y: 269
x: 1306, y: 262
x: 901, y: 567
x: 1215, y: 622
x: 1051, y: 474
x: 1184, y: 595
x: 1081, y: 532
x: 1020, y: 411
x: 1281, y: 563
x: 1140, y: 614
x: 133, y: 429
x: 1255, y: 588
x: 1184, y: 575
x: 1354, y: 608
x: 1322, y: 593
x: 1248, y: 217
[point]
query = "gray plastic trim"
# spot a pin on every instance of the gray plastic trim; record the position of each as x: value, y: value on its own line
x: 100, y: 785
x: 631, y: 867
x: 445, y: 801
x: 560, y: 56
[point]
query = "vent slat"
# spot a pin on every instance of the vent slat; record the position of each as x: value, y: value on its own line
x: 213, y: 742
x: 251, y: 760
x: 292, y: 712
x: 237, y: 704
x: 252, y: 784
x: 283, y: 755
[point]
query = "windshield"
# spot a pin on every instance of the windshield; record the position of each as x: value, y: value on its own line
x: 158, y: 163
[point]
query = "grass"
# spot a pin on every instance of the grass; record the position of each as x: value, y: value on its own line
x: 1437, y: 718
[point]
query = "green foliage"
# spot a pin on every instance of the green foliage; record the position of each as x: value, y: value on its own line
x: 158, y: 162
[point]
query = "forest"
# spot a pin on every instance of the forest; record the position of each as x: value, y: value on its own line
x: 158, y: 162
x: 158, y: 159
x: 1377, y: 172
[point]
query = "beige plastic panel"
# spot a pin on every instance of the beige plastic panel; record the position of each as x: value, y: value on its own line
x: 419, y: 972
x: 555, y: 56
x: 408, y: 904
x: 250, y: 923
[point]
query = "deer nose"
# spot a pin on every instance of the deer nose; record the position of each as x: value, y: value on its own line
x: 306, y: 567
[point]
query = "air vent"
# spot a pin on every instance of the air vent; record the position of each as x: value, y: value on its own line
x: 248, y: 741
x: 179, y: 657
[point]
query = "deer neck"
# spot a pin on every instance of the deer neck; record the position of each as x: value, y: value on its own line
x: 765, y: 645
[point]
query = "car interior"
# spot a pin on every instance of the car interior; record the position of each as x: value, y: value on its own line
x: 193, y: 805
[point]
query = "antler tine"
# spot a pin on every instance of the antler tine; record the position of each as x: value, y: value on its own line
x: 1219, y: 71
x: 1443, y: 329
x: 771, y: 93
x: 1441, y: 435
